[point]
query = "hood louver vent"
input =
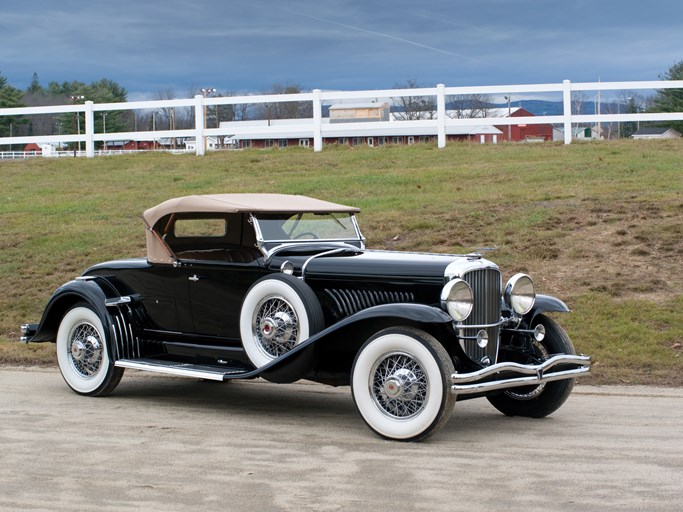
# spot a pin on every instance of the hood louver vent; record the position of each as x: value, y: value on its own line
x: 348, y: 302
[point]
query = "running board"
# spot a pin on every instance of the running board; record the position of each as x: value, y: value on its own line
x: 196, y: 371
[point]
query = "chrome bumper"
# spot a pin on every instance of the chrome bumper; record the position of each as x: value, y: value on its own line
x: 512, y: 375
x: 27, y: 332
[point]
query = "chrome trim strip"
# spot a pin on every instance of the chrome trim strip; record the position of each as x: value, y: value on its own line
x: 319, y: 255
x: 115, y: 302
x: 529, y: 375
x: 460, y: 325
x: 465, y: 264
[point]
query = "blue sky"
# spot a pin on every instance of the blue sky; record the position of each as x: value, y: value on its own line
x: 249, y: 45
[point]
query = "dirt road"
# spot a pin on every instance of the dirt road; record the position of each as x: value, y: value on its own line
x: 165, y: 444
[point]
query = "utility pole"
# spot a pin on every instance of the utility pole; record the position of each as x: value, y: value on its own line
x: 509, y: 116
x: 77, y: 119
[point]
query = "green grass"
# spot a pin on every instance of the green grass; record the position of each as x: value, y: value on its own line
x: 599, y: 225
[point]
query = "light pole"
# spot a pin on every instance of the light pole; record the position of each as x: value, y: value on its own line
x: 205, y: 93
x: 77, y: 119
x: 509, y: 116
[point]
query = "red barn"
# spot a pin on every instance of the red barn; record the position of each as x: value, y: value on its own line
x: 524, y: 132
x: 33, y: 148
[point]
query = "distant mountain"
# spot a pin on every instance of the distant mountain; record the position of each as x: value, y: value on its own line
x: 555, y: 108
x: 536, y: 107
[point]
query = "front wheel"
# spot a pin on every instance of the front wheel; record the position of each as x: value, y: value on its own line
x: 544, y: 399
x: 82, y: 353
x: 400, y: 383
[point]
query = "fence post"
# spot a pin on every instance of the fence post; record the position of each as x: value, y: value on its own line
x: 567, y: 106
x: 200, y: 143
x: 89, y: 130
x: 441, y: 115
x: 317, y: 121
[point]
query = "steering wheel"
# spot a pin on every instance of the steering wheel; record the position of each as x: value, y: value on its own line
x: 306, y: 233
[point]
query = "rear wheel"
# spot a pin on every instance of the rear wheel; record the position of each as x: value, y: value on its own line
x: 82, y: 353
x: 401, y: 384
x: 544, y: 399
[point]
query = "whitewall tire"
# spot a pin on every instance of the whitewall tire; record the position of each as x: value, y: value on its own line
x: 278, y: 312
x: 82, y: 353
x: 400, y: 383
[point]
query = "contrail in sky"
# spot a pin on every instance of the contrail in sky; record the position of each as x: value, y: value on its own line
x: 382, y: 34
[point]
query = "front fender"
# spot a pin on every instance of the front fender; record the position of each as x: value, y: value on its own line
x: 289, y: 366
x: 545, y: 304
x: 93, y: 291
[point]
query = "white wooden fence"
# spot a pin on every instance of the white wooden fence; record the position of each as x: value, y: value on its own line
x: 319, y: 130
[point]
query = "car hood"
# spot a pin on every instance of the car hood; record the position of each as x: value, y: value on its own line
x: 390, y: 266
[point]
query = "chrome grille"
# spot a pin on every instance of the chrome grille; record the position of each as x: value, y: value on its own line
x: 347, y: 302
x: 486, y: 288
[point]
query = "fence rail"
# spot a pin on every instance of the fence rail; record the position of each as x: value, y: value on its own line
x: 316, y: 130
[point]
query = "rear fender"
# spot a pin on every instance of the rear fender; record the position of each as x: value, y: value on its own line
x: 93, y: 291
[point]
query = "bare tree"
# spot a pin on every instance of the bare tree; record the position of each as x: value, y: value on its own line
x: 413, y: 108
x: 166, y: 116
x: 630, y: 102
x: 287, y: 109
x: 578, y: 101
x: 468, y: 106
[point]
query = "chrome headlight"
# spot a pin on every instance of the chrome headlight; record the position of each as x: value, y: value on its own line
x: 520, y: 294
x: 456, y: 298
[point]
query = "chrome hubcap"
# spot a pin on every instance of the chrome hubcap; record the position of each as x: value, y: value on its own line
x: 398, y: 385
x: 275, y: 326
x: 85, y: 349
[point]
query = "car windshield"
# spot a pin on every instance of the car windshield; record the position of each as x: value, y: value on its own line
x: 306, y: 226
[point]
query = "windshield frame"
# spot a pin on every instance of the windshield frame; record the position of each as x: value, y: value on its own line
x: 267, y: 245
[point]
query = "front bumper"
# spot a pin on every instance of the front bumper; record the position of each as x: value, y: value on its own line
x: 511, y: 375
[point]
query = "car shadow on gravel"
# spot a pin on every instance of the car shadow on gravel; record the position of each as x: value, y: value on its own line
x: 304, y: 403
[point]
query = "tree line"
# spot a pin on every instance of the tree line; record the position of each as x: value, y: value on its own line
x: 109, y: 91
x: 170, y: 118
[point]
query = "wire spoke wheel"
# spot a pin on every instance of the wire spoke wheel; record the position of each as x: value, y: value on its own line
x: 82, y: 353
x: 279, y: 312
x: 84, y: 346
x: 275, y: 326
x: 400, y: 383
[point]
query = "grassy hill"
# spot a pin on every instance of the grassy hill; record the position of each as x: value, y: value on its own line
x: 598, y: 224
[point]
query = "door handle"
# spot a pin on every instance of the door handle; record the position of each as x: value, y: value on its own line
x: 194, y: 278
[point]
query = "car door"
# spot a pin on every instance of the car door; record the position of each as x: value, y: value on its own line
x: 165, y: 297
x: 216, y: 293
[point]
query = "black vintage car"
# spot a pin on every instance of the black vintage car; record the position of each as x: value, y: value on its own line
x: 238, y: 286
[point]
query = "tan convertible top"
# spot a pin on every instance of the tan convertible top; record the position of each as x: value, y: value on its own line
x: 159, y: 252
x: 234, y: 203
